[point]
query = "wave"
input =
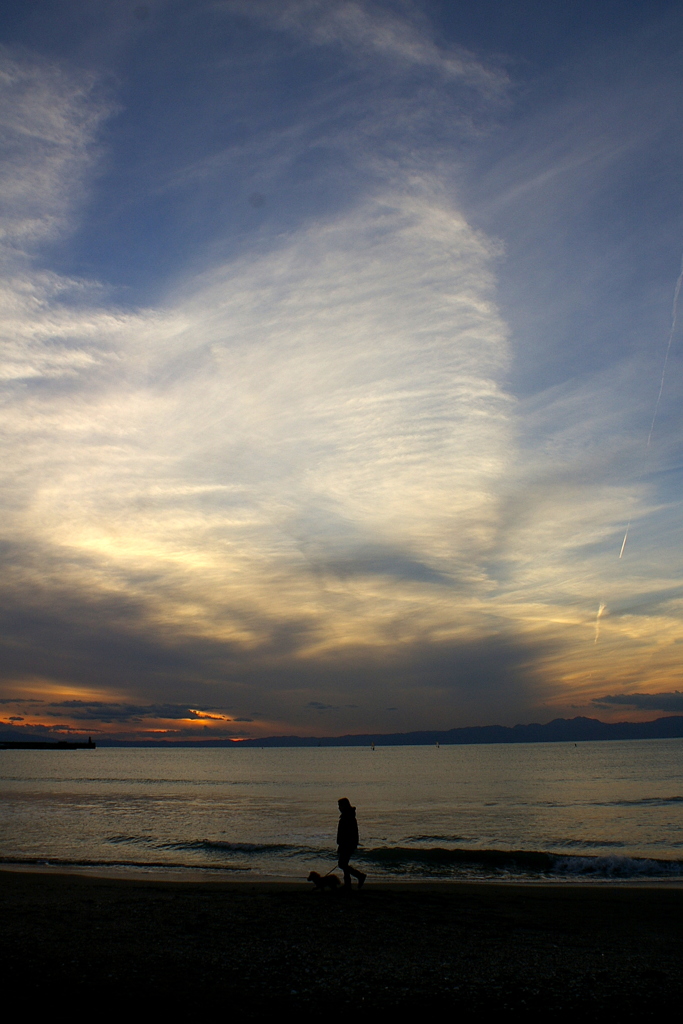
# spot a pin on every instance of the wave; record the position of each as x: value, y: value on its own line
x: 211, y: 846
x: 134, y: 840
x: 646, y: 801
x: 408, y: 862
x: 82, y: 862
x: 587, y: 844
x: 439, y: 860
x: 618, y: 867
x: 433, y: 861
x: 126, y: 779
x: 214, y: 846
x: 434, y: 839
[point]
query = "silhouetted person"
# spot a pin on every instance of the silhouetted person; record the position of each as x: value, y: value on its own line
x: 347, y: 841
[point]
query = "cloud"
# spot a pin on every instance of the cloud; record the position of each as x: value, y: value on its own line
x: 374, y: 30
x: 644, y: 701
x: 297, y: 474
x: 317, y: 705
x: 345, y: 380
x: 48, y: 120
x: 376, y: 560
x: 108, y: 711
x: 103, y: 711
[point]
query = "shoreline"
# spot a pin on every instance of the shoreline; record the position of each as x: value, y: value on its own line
x: 593, y: 952
x: 222, y: 876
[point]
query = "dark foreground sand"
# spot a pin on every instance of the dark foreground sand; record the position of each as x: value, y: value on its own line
x: 248, y: 951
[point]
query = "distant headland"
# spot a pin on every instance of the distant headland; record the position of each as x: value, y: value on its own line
x: 558, y: 731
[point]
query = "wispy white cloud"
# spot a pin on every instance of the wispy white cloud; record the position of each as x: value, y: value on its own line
x: 374, y: 29
x: 348, y: 379
x: 48, y: 117
x: 309, y: 436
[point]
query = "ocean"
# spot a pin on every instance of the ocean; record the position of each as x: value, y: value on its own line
x: 590, y: 811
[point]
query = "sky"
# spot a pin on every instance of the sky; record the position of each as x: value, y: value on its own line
x: 341, y: 351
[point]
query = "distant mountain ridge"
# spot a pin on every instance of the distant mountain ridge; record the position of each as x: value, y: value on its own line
x: 559, y: 730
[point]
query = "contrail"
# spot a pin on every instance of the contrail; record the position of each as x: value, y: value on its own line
x: 623, y: 543
x: 672, y: 331
x: 601, y: 609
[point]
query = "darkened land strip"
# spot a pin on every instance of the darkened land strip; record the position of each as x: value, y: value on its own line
x: 560, y: 730
x: 576, y: 952
x: 44, y: 745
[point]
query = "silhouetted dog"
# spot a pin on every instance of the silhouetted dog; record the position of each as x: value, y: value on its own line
x: 323, y: 881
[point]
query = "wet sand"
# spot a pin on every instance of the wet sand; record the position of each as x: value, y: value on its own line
x: 109, y: 947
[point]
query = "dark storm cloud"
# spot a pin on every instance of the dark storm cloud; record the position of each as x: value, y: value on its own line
x: 100, y: 642
x: 336, y: 545
x: 105, y: 711
x: 643, y: 701
x: 94, y: 641
x: 490, y: 678
x: 317, y: 705
x: 383, y: 560
x: 108, y: 641
x: 56, y: 731
x: 111, y: 711
x: 498, y: 666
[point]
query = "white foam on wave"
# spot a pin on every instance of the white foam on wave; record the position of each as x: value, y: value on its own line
x: 617, y: 867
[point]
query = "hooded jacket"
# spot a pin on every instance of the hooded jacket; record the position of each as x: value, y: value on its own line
x: 347, y: 830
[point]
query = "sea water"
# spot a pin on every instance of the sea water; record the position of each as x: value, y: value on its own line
x: 538, y: 810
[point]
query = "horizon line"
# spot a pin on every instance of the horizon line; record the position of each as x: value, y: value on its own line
x: 577, y: 729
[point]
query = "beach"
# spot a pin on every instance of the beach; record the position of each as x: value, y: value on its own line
x: 593, y: 951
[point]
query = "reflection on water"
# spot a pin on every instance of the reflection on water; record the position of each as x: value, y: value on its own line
x: 610, y: 809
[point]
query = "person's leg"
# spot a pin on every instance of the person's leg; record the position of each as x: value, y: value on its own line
x: 344, y: 865
x: 360, y: 875
x: 345, y: 854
